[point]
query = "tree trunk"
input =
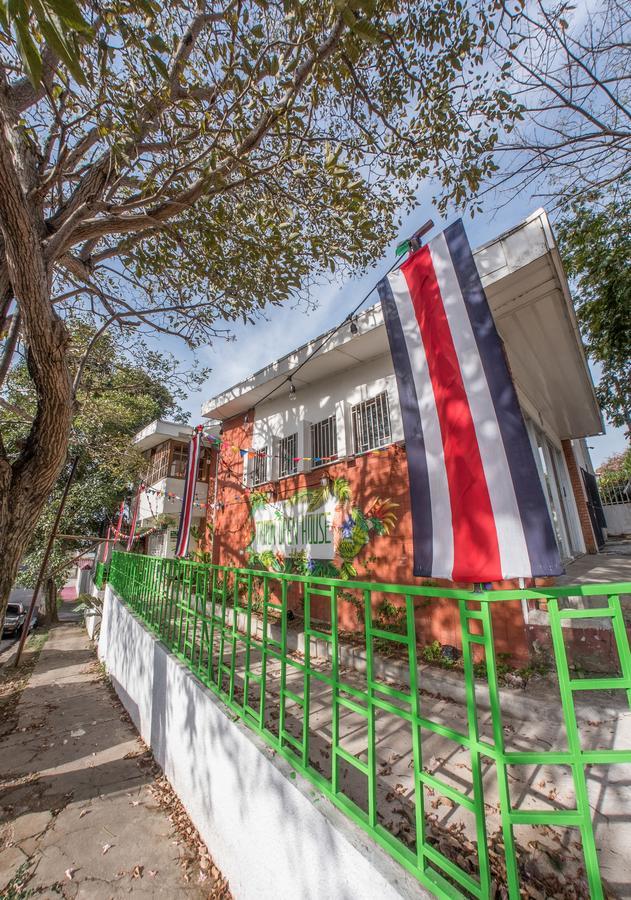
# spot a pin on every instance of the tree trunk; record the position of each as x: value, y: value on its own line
x: 52, y: 615
x: 26, y: 482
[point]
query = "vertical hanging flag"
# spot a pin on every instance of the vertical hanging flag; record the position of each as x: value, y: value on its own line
x: 478, y: 509
x: 134, y: 518
x: 190, y: 480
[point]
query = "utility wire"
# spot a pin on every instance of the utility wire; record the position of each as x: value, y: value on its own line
x: 330, y: 334
x: 413, y: 243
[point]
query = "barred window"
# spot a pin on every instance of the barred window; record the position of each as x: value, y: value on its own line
x: 179, y: 458
x: 287, y: 464
x: 258, y: 467
x: 371, y: 424
x: 324, y: 442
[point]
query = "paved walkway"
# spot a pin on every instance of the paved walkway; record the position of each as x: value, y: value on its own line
x: 76, y: 807
x: 613, y: 563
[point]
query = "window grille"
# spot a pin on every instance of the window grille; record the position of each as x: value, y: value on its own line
x: 179, y: 458
x: 287, y: 463
x: 371, y: 424
x: 258, y: 464
x: 158, y: 464
x: 324, y: 442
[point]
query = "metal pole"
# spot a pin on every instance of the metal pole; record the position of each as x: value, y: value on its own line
x: 42, y: 570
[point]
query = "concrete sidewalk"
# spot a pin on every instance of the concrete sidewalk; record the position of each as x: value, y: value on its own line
x: 612, y: 563
x: 79, y: 814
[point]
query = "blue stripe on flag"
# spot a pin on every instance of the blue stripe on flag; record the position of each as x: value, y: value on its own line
x: 542, y: 549
x: 422, y: 537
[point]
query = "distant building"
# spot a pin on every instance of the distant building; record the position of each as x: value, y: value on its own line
x: 346, y: 407
x: 165, y: 447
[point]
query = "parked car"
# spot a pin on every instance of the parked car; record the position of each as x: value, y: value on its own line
x: 15, y: 618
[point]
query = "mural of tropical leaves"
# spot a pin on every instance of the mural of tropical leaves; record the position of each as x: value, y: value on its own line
x: 379, y: 518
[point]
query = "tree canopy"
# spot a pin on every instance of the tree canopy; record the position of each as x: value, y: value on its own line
x: 177, y: 165
x: 116, y: 399
x: 616, y: 470
x: 230, y: 152
x: 596, y: 245
x: 569, y: 70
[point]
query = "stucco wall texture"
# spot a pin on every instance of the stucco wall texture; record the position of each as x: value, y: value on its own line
x: 271, y: 834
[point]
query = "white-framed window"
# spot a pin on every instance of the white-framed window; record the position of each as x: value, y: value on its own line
x: 287, y: 452
x: 324, y: 442
x: 257, y: 467
x: 371, y: 424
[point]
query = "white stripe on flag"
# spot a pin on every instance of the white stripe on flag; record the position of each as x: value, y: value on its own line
x: 442, y: 549
x: 512, y: 543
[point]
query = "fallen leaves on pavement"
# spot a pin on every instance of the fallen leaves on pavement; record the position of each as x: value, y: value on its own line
x: 196, y: 860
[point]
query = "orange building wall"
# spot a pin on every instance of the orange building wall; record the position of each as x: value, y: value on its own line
x: 387, y: 558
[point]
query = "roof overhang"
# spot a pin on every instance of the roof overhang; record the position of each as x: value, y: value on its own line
x: 158, y: 431
x: 527, y: 290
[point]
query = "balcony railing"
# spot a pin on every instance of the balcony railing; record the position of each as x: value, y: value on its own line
x: 233, y: 629
x: 162, y: 470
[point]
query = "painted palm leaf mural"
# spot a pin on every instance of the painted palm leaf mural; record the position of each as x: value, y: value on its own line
x: 316, y: 531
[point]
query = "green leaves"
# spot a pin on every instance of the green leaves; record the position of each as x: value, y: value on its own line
x: 117, y: 399
x: 28, y: 51
x: 59, y: 22
x: 595, y: 244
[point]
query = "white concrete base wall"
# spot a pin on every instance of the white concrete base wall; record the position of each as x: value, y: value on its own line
x: 270, y: 832
x: 618, y: 518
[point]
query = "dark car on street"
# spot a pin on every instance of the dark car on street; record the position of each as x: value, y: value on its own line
x: 15, y: 618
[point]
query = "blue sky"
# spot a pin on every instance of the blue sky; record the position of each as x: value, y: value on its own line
x: 282, y: 329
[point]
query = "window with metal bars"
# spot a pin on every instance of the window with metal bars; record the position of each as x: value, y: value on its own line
x: 257, y: 465
x: 324, y: 442
x: 287, y: 463
x: 179, y: 458
x: 371, y: 424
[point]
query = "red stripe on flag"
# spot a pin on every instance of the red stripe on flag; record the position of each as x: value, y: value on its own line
x: 476, y: 545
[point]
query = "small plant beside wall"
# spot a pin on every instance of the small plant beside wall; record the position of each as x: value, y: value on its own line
x: 92, y: 609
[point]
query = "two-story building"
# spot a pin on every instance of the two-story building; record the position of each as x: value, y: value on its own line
x: 335, y: 428
x: 165, y: 448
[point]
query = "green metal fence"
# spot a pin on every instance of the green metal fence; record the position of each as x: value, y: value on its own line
x: 101, y: 575
x: 219, y: 622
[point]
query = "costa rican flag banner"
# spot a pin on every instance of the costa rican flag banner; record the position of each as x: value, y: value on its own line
x: 478, y: 509
x: 190, y: 480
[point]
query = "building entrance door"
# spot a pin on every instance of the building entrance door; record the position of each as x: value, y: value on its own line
x: 557, y: 492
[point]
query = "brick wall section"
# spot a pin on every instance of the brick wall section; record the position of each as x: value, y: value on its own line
x: 578, y: 488
x: 387, y: 558
x: 231, y: 518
